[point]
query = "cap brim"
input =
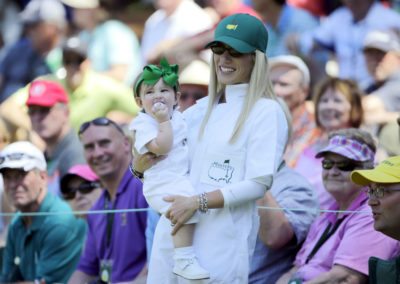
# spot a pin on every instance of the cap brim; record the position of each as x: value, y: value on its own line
x: 365, y: 177
x: 20, y: 164
x: 40, y: 103
x: 340, y: 150
x: 236, y: 44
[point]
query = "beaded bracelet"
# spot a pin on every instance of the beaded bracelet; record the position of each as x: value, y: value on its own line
x: 135, y: 173
x: 203, y: 203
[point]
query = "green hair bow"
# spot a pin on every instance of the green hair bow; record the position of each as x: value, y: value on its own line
x: 152, y: 73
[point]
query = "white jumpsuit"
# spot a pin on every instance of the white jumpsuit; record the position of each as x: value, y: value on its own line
x: 224, y: 238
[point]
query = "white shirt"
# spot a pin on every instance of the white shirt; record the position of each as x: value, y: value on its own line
x: 188, y: 19
x: 224, y: 238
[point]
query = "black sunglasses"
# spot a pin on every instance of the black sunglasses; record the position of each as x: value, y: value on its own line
x: 100, y: 121
x: 345, y: 166
x: 220, y: 49
x: 84, y: 188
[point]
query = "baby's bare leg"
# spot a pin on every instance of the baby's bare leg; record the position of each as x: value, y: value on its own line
x: 184, y: 237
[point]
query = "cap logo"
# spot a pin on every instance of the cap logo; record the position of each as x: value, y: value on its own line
x: 231, y: 27
x: 37, y: 89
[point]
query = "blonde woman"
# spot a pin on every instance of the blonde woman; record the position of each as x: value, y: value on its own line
x: 237, y: 136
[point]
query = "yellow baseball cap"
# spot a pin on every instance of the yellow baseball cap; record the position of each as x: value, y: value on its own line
x: 387, y: 171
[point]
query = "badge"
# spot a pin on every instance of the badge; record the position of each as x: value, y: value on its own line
x: 17, y: 260
x: 105, y: 271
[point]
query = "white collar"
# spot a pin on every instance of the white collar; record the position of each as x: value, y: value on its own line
x: 235, y: 92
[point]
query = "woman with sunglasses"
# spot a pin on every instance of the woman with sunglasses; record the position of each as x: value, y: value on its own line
x: 340, y: 241
x: 236, y: 140
x: 80, y: 187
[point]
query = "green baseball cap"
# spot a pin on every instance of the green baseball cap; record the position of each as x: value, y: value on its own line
x: 242, y: 32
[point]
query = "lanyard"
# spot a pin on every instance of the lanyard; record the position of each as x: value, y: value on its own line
x: 110, y: 219
x: 329, y: 231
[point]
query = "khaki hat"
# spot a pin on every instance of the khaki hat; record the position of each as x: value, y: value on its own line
x: 386, y: 172
x: 82, y: 4
x: 196, y: 73
x: 293, y: 61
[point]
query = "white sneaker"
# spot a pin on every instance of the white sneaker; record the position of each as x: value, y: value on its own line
x: 190, y: 268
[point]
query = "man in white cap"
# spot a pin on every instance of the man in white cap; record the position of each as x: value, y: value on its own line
x: 382, y: 55
x: 290, y: 78
x: 28, y: 59
x: 43, y: 248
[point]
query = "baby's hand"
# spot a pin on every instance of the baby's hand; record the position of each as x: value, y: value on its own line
x: 160, y: 111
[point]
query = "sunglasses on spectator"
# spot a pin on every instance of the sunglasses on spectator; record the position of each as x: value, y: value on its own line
x: 83, y: 188
x: 378, y: 191
x: 100, y: 121
x: 220, y: 49
x: 345, y: 166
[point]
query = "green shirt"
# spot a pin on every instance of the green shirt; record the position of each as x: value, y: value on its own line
x: 49, y: 249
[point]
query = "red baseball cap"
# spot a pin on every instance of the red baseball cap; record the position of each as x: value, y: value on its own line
x: 46, y: 93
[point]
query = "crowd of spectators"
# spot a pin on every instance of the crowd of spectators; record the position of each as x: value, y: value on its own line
x: 67, y: 75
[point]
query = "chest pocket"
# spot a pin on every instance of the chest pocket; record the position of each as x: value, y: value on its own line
x: 221, y: 169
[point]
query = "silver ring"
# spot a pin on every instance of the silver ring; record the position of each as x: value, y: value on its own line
x: 172, y: 224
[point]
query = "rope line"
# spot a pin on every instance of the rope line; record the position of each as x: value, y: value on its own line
x: 91, y: 212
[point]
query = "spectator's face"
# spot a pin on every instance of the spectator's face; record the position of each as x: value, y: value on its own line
x: 72, y: 63
x: 333, y: 110
x: 287, y: 84
x: 386, y: 210
x: 44, y: 36
x: 224, y: 7
x: 48, y: 122
x: 85, y: 18
x: 337, y: 179
x: 230, y: 69
x: 107, y: 151
x: 159, y: 93
x: 23, y: 189
x: 190, y: 93
x: 373, y: 58
x: 83, y: 199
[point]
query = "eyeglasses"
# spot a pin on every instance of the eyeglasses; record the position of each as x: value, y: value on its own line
x: 378, y: 191
x: 83, y: 188
x: 16, y: 157
x: 100, y: 121
x: 345, y: 166
x: 220, y: 49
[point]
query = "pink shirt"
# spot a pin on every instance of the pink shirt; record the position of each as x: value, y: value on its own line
x: 352, y: 244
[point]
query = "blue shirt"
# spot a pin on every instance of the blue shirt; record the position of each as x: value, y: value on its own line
x: 20, y: 65
x: 291, y: 21
x: 127, y: 245
x: 48, y: 249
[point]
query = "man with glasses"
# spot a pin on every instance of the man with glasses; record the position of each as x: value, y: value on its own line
x: 384, y: 199
x: 42, y: 248
x: 49, y: 114
x: 115, y: 249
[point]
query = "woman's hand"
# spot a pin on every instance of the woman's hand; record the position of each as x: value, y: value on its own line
x: 181, y: 210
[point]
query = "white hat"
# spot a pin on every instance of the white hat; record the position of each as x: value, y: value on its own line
x: 382, y: 40
x: 51, y: 11
x: 22, y: 155
x: 82, y: 4
x: 294, y: 61
x: 196, y: 73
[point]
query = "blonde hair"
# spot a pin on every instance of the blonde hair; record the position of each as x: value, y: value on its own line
x: 259, y: 87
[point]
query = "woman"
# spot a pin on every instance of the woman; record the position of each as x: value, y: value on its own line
x: 236, y: 139
x: 80, y: 187
x: 339, y: 244
x: 337, y: 105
